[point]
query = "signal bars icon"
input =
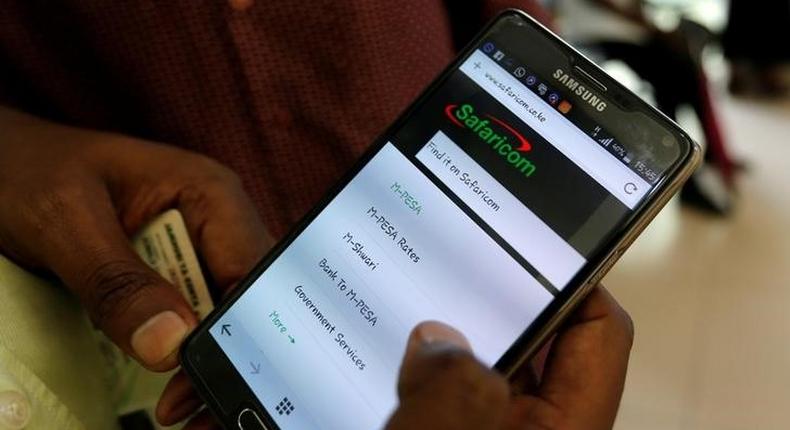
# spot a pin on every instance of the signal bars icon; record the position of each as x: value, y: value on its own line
x: 606, y: 141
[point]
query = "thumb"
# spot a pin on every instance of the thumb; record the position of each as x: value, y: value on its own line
x: 428, y: 343
x: 442, y: 385
x: 134, y: 306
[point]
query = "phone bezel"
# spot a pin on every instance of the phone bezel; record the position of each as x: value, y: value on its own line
x: 212, y: 372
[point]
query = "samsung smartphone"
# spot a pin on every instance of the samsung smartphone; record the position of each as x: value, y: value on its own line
x: 493, y: 204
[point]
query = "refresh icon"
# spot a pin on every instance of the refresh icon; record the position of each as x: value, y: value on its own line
x: 630, y: 188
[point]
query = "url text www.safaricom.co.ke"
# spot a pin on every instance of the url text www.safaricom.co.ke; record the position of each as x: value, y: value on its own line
x: 512, y: 94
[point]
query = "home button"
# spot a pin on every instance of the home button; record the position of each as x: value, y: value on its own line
x: 248, y: 420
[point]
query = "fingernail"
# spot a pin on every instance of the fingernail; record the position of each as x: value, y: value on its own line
x: 432, y: 334
x: 159, y: 337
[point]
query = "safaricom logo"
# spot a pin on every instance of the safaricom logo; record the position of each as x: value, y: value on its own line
x: 508, y: 142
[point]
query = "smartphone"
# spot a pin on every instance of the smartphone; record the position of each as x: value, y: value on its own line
x: 493, y: 204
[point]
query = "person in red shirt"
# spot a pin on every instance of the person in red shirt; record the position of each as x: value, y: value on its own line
x: 113, y: 113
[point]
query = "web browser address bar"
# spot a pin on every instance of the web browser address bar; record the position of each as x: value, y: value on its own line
x: 615, y: 177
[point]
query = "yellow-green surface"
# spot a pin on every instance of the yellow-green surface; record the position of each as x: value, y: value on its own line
x: 47, y: 345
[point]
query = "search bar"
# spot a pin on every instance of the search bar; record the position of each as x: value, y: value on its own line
x: 544, y: 249
x: 615, y: 177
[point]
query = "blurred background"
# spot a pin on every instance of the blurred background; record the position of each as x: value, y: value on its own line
x: 708, y: 283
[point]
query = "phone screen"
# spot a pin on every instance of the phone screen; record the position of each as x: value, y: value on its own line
x: 477, y: 209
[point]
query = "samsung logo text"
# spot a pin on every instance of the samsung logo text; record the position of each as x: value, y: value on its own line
x: 580, y: 90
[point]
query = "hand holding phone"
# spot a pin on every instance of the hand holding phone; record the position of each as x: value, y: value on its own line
x: 442, y: 385
x: 494, y: 204
x: 576, y: 384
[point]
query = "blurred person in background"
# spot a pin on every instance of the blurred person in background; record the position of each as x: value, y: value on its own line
x: 757, y: 44
x: 620, y: 30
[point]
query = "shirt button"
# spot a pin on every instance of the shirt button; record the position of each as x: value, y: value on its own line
x: 14, y: 410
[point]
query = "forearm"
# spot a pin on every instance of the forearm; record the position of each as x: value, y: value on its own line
x: 20, y: 128
x: 10, y: 122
